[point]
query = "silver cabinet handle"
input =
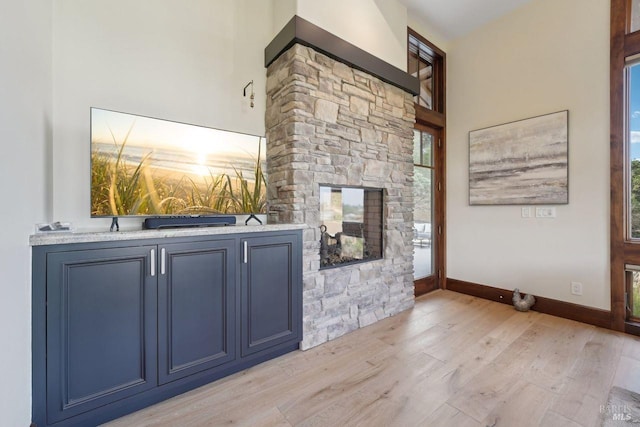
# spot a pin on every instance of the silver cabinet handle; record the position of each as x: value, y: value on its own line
x: 245, y: 250
x: 153, y: 262
x: 162, y: 260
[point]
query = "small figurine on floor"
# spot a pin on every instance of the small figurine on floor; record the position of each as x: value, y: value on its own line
x: 522, y: 304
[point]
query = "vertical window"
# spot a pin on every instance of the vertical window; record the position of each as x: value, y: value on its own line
x: 625, y: 165
x: 633, y: 147
x: 632, y: 131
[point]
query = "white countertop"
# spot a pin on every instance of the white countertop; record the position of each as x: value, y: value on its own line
x: 56, y: 238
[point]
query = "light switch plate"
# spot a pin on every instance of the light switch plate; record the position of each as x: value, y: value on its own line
x: 546, y: 212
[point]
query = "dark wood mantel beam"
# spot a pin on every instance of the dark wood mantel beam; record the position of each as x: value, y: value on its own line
x: 303, y: 32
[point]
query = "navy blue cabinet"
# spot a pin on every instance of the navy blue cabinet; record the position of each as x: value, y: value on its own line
x: 270, y: 293
x: 196, y: 302
x: 101, y: 328
x: 118, y: 326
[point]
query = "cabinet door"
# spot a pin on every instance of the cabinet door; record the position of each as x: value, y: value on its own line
x: 196, y: 307
x: 271, y: 292
x: 101, y: 328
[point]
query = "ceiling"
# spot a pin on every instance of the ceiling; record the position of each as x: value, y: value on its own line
x: 456, y: 18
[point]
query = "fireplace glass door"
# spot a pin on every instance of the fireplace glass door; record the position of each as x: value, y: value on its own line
x: 351, y: 225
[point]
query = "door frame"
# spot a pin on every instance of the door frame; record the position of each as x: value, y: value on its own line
x: 624, y: 250
x: 436, y: 120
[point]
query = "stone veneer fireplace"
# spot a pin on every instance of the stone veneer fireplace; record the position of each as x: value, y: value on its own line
x: 330, y: 124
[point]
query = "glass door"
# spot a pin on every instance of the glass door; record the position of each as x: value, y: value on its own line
x: 426, y: 186
x: 632, y: 132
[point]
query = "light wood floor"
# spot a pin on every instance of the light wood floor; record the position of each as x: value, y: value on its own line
x: 453, y: 360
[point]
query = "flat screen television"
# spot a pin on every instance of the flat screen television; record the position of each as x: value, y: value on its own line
x: 141, y: 166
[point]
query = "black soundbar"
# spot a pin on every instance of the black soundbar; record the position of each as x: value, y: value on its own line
x: 188, y: 221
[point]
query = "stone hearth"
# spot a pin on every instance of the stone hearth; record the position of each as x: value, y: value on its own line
x: 330, y: 124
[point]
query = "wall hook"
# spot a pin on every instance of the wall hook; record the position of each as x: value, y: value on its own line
x: 244, y: 92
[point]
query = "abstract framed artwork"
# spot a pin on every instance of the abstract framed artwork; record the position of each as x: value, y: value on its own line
x: 521, y: 163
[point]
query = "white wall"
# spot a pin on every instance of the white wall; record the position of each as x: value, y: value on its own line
x: 157, y: 58
x: 283, y: 11
x: 545, y: 57
x: 25, y: 135
x: 376, y: 26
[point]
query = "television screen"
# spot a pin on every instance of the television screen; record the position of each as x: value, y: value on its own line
x: 152, y: 167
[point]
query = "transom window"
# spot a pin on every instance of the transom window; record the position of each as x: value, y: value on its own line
x: 425, y: 64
